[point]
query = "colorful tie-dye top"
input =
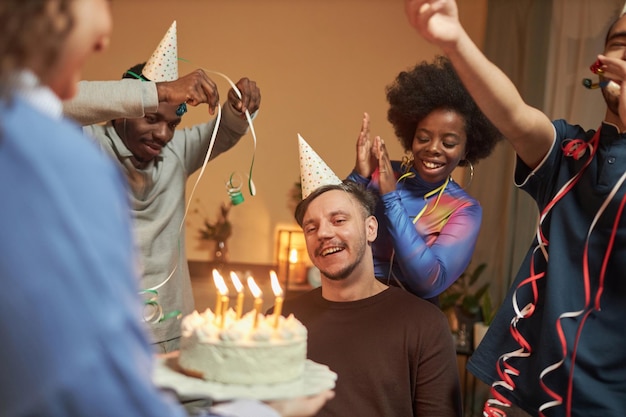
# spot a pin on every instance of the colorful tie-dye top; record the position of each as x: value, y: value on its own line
x: 428, y: 256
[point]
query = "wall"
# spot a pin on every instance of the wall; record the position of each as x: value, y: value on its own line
x: 320, y: 64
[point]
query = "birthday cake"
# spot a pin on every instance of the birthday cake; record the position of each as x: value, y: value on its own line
x: 246, y: 351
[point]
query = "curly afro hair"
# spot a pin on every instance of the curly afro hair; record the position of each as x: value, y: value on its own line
x: 430, y: 86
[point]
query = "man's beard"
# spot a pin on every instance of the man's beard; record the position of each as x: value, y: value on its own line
x: 348, y: 269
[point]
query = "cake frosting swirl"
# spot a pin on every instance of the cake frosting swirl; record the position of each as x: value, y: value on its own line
x: 238, y: 351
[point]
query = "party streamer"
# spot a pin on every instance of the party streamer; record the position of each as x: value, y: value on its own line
x: 154, y: 309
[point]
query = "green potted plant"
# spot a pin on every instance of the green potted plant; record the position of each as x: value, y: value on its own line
x: 218, y: 231
x: 488, y: 312
x: 464, y: 294
x: 465, y: 302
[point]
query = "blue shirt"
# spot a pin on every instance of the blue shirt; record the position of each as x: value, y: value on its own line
x: 429, y: 255
x: 73, y: 343
x: 599, y: 367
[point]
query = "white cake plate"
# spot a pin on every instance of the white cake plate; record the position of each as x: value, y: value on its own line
x: 316, y: 378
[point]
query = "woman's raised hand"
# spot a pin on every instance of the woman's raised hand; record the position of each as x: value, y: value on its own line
x: 366, y: 162
x: 387, y: 178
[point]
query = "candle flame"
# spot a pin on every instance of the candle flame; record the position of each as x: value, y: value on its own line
x: 254, y: 289
x: 275, y: 285
x: 236, y: 281
x: 219, y: 282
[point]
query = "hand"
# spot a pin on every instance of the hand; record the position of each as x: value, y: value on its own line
x: 250, y: 96
x: 366, y: 163
x: 614, y: 69
x: 194, y: 89
x: 302, y: 406
x: 435, y: 20
x: 387, y: 178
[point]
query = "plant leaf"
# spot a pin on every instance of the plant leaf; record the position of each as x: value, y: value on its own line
x: 477, y: 273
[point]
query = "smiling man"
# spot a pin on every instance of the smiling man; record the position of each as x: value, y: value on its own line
x: 157, y: 158
x: 392, y: 351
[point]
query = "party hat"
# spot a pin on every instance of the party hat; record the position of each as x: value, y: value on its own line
x: 313, y: 170
x: 163, y: 64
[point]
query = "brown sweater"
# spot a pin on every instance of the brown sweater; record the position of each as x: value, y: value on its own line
x: 393, y: 354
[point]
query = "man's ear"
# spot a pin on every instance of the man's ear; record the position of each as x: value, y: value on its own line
x: 371, y: 228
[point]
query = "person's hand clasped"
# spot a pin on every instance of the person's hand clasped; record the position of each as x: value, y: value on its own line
x: 366, y: 163
x: 250, y: 96
x: 387, y: 179
x: 194, y: 89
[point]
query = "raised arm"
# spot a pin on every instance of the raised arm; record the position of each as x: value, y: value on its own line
x: 529, y: 130
x: 101, y: 101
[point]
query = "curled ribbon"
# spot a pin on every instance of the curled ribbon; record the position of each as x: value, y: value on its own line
x: 234, y: 189
x: 154, y: 313
x: 152, y: 310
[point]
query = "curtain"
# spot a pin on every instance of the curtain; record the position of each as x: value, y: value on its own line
x: 515, y: 40
x: 577, y: 35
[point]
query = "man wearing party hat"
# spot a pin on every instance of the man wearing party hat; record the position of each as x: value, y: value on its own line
x: 157, y: 160
x: 552, y: 348
x: 392, y: 351
x: 101, y: 101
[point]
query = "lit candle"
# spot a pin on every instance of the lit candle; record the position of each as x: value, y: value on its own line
x: 239, y: 287
x: 258, y: 300
x: 218, y: 296
x: 224, y: 310
x: 222, y: 305
x: 278, y: 293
